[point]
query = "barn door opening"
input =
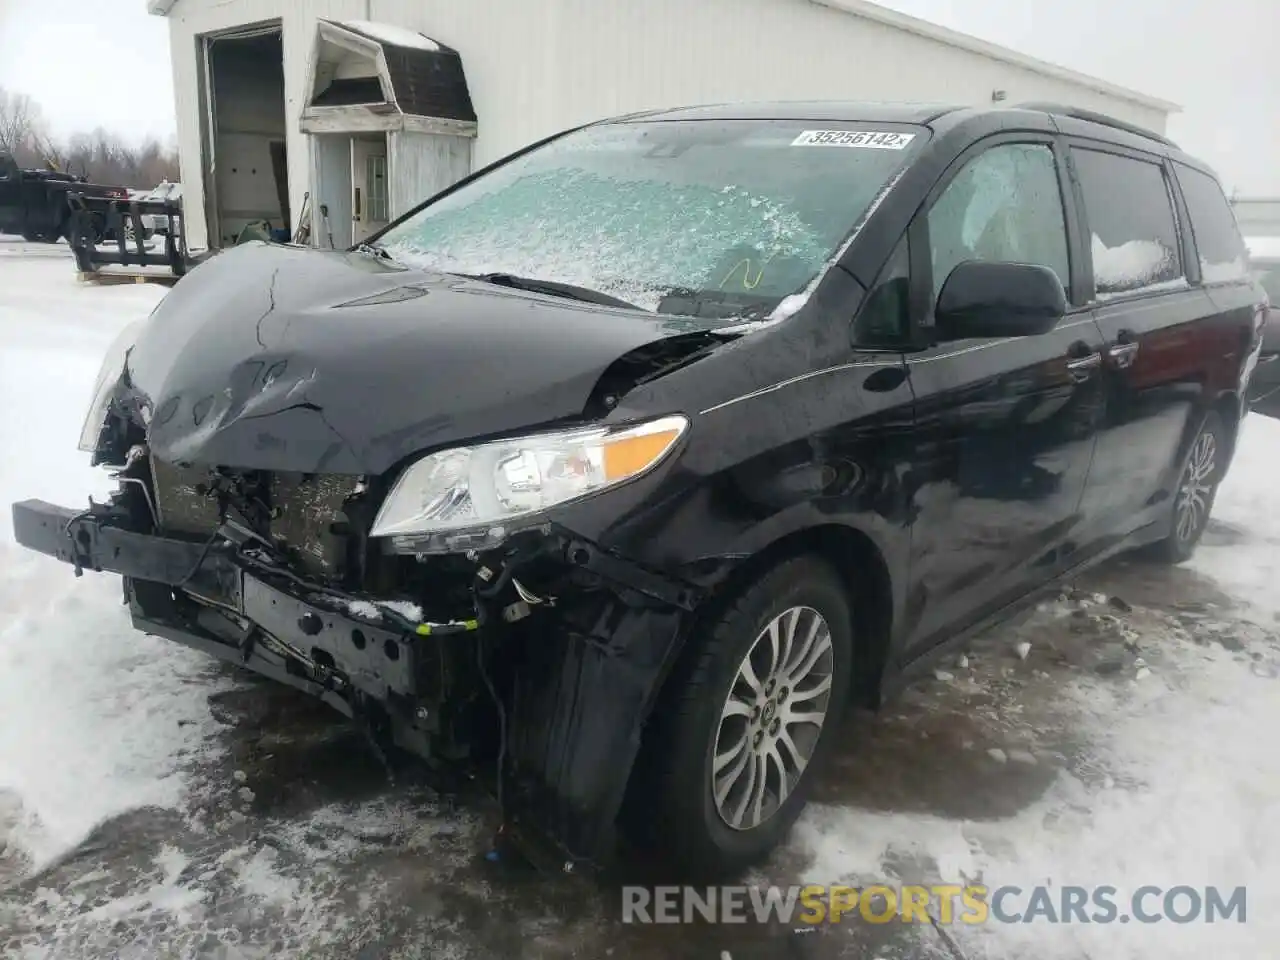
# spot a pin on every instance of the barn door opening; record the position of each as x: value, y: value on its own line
x: 244, y: 135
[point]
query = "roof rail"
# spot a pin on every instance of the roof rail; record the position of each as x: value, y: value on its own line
x: 1078, y: 113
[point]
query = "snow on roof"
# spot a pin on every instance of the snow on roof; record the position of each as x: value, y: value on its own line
x: 1263, y: 248
x: 389, y: 33
x: 962, y: 41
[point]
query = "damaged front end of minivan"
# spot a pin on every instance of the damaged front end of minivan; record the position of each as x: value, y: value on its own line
x: 366, y: 483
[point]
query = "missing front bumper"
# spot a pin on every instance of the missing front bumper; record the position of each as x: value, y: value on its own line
x: 237, y: 607
x: 576, y: 686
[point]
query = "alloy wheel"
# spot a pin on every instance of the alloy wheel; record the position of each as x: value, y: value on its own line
x: 1196, y: 489
x: 772, y: 718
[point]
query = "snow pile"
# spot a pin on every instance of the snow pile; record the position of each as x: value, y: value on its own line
x: 1201, y: 805
x: 95, y: 718
x: 168, y: 894
x: 1248, y: 567
x: 406, y: 609
x: 1205, y: 812
x: 364, y: 609
x: 369, y: 610
x: 389, y: 33
x: 1134, y: 265
x: 1223, y: 272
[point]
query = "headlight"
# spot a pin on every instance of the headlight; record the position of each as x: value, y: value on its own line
x: 112, y: 367
x: 471, y: 496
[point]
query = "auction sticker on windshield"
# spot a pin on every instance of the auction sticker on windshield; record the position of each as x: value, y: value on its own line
x: 868, y: 139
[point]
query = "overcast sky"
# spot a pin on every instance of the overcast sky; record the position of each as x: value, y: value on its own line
x: 105, y: 63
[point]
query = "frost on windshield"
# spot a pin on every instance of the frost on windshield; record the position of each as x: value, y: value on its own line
x: 634, y: 239
x: 1134, y: 265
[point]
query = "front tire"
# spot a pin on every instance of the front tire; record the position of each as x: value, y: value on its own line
x: 746, y: 723
x: 1196, y: 491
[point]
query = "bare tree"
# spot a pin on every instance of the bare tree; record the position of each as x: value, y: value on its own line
x: 51, y: 154
x: 100, y: 156
x: 18, y: 118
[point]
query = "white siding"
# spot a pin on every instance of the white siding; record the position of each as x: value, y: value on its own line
x: 555, y: 63
x: 423, y: 164
x: 1258, y: 216
x: 536, y: 67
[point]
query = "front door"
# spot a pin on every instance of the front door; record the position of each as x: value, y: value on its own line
x: 1005, y: 427
x: 370, y: 194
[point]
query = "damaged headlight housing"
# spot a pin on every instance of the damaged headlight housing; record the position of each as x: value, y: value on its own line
x: 470, y: 497
x: 108, y: 375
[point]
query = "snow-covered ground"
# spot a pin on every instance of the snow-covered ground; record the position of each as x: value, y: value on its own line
x: 153, y: 803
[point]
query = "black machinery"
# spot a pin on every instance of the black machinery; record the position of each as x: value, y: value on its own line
x: 107, y: 230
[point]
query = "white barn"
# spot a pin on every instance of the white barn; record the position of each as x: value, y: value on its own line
x: 1258, y: 216
x: 365, y: 107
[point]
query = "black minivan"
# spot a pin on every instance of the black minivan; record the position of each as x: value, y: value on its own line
x: 619, y: 470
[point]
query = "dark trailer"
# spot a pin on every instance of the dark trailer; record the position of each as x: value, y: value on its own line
x: 33, y: 203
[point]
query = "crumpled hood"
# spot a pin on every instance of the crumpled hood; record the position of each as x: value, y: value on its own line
x: 283, y: 358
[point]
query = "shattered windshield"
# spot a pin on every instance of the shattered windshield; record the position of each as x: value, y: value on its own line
x: 708, y: 218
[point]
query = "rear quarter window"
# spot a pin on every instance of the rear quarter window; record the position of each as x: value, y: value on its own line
x: 1219, y: 245
x: 1134, y: 234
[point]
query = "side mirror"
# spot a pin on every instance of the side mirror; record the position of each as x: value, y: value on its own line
x: 982, y: 299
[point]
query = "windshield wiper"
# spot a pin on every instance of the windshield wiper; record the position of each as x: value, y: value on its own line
x: 374, y: 250
x: 570, y: 291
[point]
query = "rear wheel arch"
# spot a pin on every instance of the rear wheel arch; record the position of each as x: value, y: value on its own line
x: 1228, y: 406
x: 1202, y: 463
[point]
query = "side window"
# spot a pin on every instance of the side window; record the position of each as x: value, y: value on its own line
x: 883, y: 319
x: 1004, y: 206
x: 1134, y: 235
x: 1213, y: 225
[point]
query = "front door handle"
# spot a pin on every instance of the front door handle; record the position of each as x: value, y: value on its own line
x: 1123, y: 354
x: 1081, y: 368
